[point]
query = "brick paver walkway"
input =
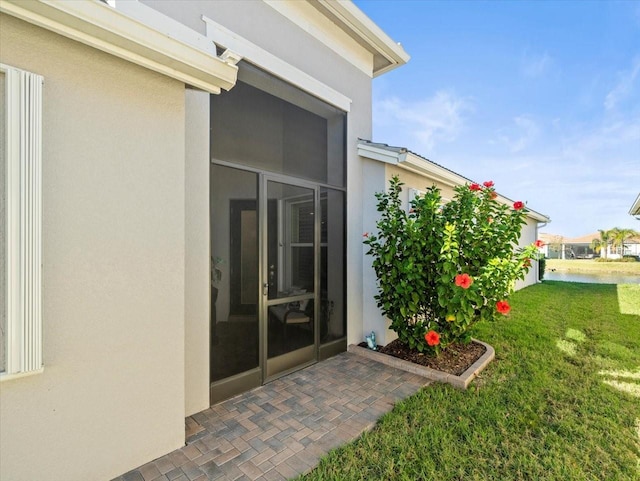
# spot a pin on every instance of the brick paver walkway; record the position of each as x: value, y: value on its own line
x: 282, y: 429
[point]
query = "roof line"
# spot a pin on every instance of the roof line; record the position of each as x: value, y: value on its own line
x: 136, y: 33
x: 423, y: 166
x: 363, y: 28
x: 635, y: 207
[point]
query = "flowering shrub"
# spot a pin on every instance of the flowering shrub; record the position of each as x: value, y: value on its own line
x: 442, y: 268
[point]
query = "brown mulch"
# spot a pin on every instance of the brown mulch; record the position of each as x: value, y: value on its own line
x: 455, y: 360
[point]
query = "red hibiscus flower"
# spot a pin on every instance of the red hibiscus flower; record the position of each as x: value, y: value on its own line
x: 539, y: 243
x: 432, y: 338
x: 518, y: 205
x: 475, y: 187
x: 488, y: 183
x: 493, y: 195
x: 503, y: 307
x: 366, y: 234
x: 464, y: 281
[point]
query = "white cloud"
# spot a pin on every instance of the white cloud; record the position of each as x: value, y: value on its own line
x: 606, y: 142
x: 535, y: 65
x: 519, y: 136
x: 428, y: 122
x: 624, y: 87
x: 585, y: 179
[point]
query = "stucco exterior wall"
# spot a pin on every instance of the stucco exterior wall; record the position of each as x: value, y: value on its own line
x: 374, y: 178
x: 529, y: 235
x: 197, y: 273
x: 416, y: 181
x: 112, y: 393
x: 261, y: 24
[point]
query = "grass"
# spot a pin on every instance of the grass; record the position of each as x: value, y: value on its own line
x: 590, y: 265
x: 561, y: 401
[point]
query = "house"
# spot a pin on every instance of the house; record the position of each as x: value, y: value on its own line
x: 560, y: 247
x: 185, y: 199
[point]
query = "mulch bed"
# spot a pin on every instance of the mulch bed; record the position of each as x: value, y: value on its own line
x: 455, y: 360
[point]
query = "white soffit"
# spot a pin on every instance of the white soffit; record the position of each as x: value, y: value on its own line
x: 134, y: 32
x: 319, y: 26
x: 635, y: 208
x: 407, y: 160
x: 387, y: 53
x: 267, y: 61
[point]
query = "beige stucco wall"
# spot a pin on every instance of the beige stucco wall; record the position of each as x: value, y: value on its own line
x: 197, y: 274
x: 112, y: 393
x: 528, y: 235
x: 416, y: 181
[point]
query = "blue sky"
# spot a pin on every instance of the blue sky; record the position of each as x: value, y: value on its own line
x: 541, y: 97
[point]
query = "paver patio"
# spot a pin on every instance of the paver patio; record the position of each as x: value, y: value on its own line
x: 282, y: 429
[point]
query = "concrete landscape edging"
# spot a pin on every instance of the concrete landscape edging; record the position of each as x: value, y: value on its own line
x: 461, y: 382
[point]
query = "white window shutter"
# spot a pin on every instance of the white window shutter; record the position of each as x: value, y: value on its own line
x: 23, y: 96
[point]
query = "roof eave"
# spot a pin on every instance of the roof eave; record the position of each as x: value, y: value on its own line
x: 351, y: 19
x: 136, y: 33
x: 407, y: 160
x: 635, y: 208
x: 452, y: 179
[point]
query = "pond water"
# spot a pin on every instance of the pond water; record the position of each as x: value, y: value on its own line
x: 592, y: 278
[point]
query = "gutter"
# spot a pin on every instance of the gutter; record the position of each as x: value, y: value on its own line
x: 366, y: 32
x: 136, y: 33
x: 635, y: 208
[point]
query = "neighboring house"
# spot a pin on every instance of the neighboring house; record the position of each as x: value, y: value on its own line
x: 176, y: 230
x: 380, y: 163
x: 631, y: 247
x: 560, y: 247
x: 552, y: 247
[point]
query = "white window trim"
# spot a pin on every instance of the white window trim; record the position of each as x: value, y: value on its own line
x: 23, y: 227
x: 276, y: 66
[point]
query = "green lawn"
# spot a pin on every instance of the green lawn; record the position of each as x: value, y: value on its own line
x: 590, y: 265
x: 561, y: 401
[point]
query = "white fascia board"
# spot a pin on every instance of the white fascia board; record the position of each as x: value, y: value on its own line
x: 416, y: 164
x: 409, y: 161
x: 635, y: 208
x: 134, y: 32
x: 431, y: 170
x: 445, y: 176
x: 315, y: 23
x: 379, y: 154
x: 276, y: 66
x: 366, y: 30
